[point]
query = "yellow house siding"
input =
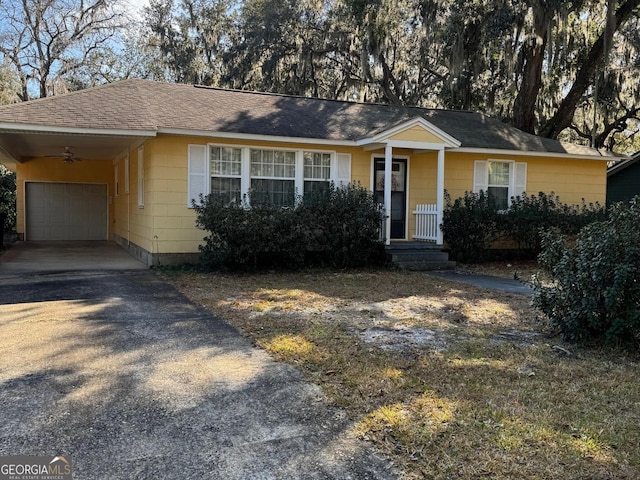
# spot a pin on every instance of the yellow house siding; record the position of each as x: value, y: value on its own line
x: 571, y: 179
x: 416, y: 134
x: 360, y: 166
x: 140, y: 219
x: 55, y: 170
x: 173, y: 229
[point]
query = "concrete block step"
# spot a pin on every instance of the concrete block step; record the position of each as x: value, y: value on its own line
x: 413, y: 246
x: 422, y: 255
x: 426, y: 266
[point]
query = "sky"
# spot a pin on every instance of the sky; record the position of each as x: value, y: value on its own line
x: 136, y: 6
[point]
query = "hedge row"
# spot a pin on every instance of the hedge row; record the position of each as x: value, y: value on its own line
x: 471, y: 225
x: 337, y: 227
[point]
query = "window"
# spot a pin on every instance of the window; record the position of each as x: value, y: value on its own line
x: 317, y: 171
x: 273, y: 176
x: 500, y: 180
x: 498, y: 184
x: 225, y: 165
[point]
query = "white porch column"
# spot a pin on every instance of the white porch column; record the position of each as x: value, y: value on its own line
x: 388, y: 157
x: 440, y: 193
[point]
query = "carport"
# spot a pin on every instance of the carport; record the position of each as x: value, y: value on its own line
x: 66, y: 174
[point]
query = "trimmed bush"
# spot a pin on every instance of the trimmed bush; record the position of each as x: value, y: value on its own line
x: 330, y: 226
x: 528, y: 216
x: 471, y: 225
x: 342, y: 226
x: 596, y: 290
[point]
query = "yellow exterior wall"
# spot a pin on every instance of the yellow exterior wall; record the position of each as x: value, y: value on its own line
x: 134, y: 223
x: 571, y: 180
x: 416, y: 134
x: 166, y: 224
x: 55, y: 170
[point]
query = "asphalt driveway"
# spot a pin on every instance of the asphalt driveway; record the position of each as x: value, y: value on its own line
x: 121, y: 372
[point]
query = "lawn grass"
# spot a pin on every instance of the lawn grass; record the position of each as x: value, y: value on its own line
x: 482, y: 393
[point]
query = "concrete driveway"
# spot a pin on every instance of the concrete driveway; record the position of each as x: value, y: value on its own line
x: 117, y: 369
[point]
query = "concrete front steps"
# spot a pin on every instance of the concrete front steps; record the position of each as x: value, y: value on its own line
x: 419, y: 256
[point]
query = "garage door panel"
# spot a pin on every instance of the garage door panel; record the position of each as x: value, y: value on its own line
x: 66, y: 211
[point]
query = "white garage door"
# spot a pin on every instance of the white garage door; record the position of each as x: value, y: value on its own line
x: 66, y: 211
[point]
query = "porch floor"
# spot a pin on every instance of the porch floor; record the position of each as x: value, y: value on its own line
x: 414, y: 255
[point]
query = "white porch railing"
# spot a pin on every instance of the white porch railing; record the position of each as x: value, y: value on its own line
x: 382, y: 232
x: 426, y: 222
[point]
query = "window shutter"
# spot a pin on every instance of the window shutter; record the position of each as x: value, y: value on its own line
x: 520, y: 178
x: 342, y: 177
x: 480, y: 176
x: 197, y: 174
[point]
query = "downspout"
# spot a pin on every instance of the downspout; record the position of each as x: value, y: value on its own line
x: 128, y: 200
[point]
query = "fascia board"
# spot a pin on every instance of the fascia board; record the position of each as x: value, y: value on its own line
x: 31, y: 128
x: 259, y: 138
x: 522, y: 153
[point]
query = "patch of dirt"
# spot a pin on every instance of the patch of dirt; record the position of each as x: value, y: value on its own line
x: 403, y: 337
x: 391, y: 311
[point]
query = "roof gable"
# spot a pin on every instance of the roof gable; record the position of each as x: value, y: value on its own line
x: 413, y: 132
x: 416, y: 134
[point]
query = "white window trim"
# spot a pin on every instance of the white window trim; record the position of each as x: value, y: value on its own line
x: 275, y: 149
x: 513, y: 165
x: 209, y: 175
x: 245, y: 172
x: 331, y: 167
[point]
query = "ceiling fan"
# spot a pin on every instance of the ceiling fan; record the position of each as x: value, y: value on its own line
x: 67, y: 156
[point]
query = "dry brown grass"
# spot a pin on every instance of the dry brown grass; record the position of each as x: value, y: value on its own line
x: 450, y: 380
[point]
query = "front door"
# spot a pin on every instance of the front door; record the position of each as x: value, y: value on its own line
x: 398, y: 194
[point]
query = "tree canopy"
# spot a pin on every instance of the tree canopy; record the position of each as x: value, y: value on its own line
x: 567, y: 69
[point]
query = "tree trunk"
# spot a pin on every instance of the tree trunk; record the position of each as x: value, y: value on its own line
x: 564, y: 115
x: 524, y: 107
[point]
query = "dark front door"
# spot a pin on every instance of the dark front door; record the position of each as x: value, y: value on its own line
x: 398, y: 194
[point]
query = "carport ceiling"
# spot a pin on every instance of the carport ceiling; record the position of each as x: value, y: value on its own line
x: 23, y: 145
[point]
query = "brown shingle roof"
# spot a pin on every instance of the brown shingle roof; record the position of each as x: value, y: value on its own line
x: 145, y: 105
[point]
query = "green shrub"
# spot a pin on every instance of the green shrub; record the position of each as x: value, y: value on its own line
x: 596, y: 290
x: 8, y: 197
x: 528, y: 216
x: 469, y: 226
x: 245, y: 238
x: 331, y: 226
x: 342, y: 226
